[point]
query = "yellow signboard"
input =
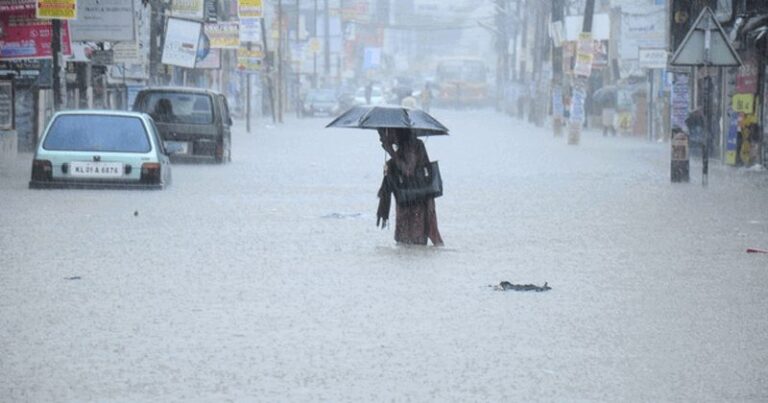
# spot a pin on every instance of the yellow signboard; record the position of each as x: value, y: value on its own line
x: 57, y: 9
x: 250, y: 60
x: 744, y: 103
x: 250, y: 9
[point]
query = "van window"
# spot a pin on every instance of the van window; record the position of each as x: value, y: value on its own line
x: 98, y: 133
x: 178, y: 107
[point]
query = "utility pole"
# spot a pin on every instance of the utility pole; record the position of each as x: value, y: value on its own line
x: 557, y: 71
x: 327, y: 34
x: 268, y: 66
x: 502, y: 45
x: 314, y: 53
x: 280, y: 61
x: 579, y: 90
x: 57, y: 82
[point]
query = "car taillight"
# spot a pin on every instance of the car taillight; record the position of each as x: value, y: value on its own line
x: 150, y: 172
x: 42, y: 170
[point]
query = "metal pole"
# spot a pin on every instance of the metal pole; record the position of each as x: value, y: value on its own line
x: 574, y: 129
x: 55, y: 52
x: 327, y: 34
x: 280, y: 61
x: 248, y: 102
x: 650, y: 105
x: 314, y: 54
x: 270, y: 85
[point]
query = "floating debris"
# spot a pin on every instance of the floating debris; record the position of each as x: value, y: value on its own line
x: 506, y: 285
x: 72, y: 278
x: 136, y: 213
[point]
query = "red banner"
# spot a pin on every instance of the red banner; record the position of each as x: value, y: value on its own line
x: 26, y: 37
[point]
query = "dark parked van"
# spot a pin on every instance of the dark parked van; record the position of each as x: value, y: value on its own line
x: 193, y: 122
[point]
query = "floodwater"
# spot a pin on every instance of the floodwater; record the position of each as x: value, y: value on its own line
x: 267, y: 280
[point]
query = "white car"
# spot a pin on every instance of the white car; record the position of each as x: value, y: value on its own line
x: 377, y: 96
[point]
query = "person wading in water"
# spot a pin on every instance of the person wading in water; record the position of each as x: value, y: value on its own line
x: 415, y: 221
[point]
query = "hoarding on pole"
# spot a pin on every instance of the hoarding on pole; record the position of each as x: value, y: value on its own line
x: 250, y: 60
x: 57, y: 9
x: 223, y: 35
x: 103, y: 21
x: 181, y: 42
x: 25, y: 36
x: 192, y: 9
x: 250, y: 30
x: 250, y: 9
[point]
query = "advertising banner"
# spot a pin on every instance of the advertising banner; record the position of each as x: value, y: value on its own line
x: 680, y: 100
x: 642, y: 27
x: 746, y: 76
x: 58, y: 9
x: 181, y: 42
x: 250, y: 30
x: 223, y: 35
x: 250, y: 60
x: 103, y: 21
x: 26, y: 37
x: 192, y: 9
x: 250, y: 9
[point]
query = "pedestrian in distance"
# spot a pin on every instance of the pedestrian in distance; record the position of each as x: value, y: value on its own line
x: 368, y: 92
x: 426, y: 97
x: 415, y: 221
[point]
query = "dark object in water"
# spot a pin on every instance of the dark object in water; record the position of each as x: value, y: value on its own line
x: 506, y: 285
x: 72, y: 278
x: 136, y: 213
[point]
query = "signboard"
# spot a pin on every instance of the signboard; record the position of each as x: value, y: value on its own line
x: 250, y: 9
x: 680, y: 100
x: 250, y: 60
x: 250, y: 30
x: 705, y: 44
x: 642, y: 26
x: 577, y: 106
x: 103, y: 21
x: 126, y: 53
x: 732, y: 138
x: 746, y: 76
x: 26, y: 37
x: 584, y: 55
x: 58, y: 9
x: 223, y: 35
x: 744, y: 103
x: 181, y: 42
x: 651, y: 58
x: 192, y: 9
x: 6, y: 105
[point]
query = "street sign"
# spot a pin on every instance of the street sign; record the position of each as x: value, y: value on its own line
x: 651, y: 58
x: 705, y: 44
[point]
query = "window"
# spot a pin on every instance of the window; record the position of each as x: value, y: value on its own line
x: 97, y: 133
x: 179, y: 107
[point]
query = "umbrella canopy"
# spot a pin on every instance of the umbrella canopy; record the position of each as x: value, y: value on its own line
x: 382, y: 117
x: 605, y: 96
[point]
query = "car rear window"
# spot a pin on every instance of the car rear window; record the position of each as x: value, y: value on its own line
x: 178, y: 107
x: 97, y: 133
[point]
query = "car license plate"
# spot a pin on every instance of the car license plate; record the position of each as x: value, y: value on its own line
x: 96, y: 169
x: 181, y: 146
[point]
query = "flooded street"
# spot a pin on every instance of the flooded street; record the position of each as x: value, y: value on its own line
x: 266, y: 279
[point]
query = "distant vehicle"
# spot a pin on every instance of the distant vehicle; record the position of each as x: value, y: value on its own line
x: 100, y: 149
x: 377, y: 96
x: 462, y: 81
x: 321, y: 102
x: 195, y: 121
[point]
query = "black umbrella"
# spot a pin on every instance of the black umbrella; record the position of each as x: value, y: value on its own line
x: 605, y: 96
x: 382, y: 117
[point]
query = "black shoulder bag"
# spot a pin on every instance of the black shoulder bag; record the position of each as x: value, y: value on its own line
x: 424, y: 184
